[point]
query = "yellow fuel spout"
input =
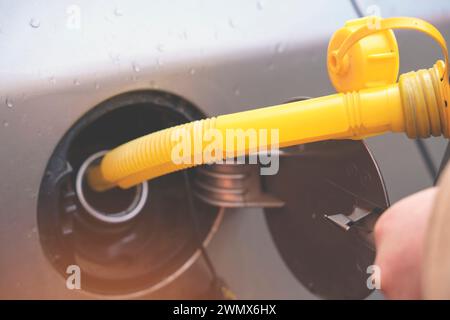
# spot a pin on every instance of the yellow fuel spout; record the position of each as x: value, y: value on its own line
x: 416, y: 105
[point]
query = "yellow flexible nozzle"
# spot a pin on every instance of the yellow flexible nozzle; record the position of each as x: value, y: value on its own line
x: 416, y: 105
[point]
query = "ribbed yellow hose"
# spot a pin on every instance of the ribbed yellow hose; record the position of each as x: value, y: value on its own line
x: 416, y: 105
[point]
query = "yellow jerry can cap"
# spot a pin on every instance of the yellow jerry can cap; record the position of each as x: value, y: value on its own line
x: 369, y: 62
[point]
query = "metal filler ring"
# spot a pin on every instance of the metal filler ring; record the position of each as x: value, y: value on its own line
x: 129, y: 213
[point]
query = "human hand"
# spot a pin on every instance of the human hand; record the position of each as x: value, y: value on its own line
x: 399, y: 239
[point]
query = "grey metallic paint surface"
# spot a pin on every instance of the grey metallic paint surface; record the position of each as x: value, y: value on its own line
x: 223, y: 56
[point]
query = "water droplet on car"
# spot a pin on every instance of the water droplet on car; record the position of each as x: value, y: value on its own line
x: 118, y: 12
x: 160, y: 47
x: 76, y: 82
x: 9, y: 103
x: 231, y: 23
x: 6, y: 124
x: 279, y: 48
x: 136, y: 67
x: 192, y: 71
x: 35, y: 23
x: 260, y: 5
